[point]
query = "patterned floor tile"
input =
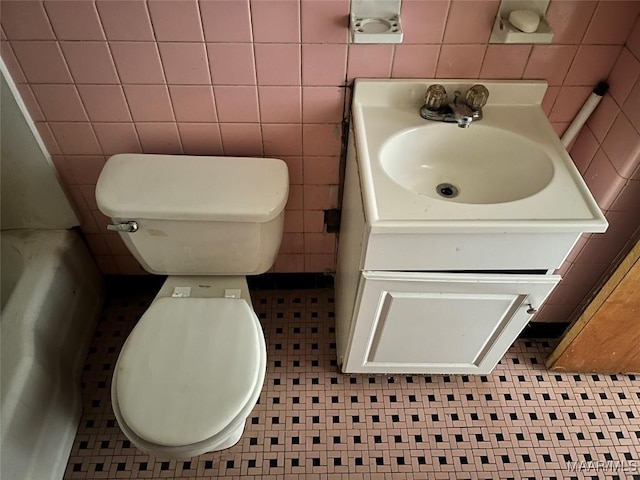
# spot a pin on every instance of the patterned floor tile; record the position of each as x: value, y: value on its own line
x: 312, y: 422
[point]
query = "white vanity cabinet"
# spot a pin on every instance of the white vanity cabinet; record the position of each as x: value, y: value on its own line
x: 402, y: 321
x: 449, y: 235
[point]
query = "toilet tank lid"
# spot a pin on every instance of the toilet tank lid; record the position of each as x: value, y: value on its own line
x: 180, y: 187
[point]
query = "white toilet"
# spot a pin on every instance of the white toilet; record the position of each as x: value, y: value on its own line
x: 193, y: 367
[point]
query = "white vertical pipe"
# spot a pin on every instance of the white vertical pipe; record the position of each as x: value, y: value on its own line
x: 583, y: 115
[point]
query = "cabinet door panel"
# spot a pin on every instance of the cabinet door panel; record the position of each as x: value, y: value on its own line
x: 437, y: 328
x: 439, y: 323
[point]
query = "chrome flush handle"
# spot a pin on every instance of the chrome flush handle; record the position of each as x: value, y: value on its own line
x: 128, y: 227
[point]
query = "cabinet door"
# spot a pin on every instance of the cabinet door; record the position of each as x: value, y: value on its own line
x: 411, y: 322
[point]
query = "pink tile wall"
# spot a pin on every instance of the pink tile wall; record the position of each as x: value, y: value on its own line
x: 260, y: 77
x: 607, y: 153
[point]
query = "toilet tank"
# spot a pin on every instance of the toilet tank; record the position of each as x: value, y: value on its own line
x: 197, y: 215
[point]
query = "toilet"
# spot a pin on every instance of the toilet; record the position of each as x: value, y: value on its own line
x: 192, y: 369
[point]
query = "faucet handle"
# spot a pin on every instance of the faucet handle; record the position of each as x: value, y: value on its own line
x: 477, y: 97
x: 435, y: 97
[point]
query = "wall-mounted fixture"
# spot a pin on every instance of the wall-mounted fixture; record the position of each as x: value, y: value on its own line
x: 375, y: 21
x: 522, y: 21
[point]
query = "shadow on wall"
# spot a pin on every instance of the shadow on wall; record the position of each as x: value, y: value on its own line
x: 31, y: 195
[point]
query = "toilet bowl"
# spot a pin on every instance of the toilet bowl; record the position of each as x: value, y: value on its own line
x: 189, y: 374
x: 193, y: 367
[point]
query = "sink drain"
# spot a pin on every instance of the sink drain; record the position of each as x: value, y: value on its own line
x: 447, y: 190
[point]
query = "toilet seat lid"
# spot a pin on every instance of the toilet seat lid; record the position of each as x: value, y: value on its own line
x: 189, y: 368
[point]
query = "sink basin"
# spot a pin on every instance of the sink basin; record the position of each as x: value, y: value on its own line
x: 507, y: 172
x: 478, y: 165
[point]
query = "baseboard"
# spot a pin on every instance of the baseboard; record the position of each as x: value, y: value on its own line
x: 290, y: 281
x: 118, y: 284
x: 544, y: 330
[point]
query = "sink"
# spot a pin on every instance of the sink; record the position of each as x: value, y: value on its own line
x: 478, y: 165
x: 506, y: 173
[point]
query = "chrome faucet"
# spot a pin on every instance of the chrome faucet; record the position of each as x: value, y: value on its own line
x: 461, y: 112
